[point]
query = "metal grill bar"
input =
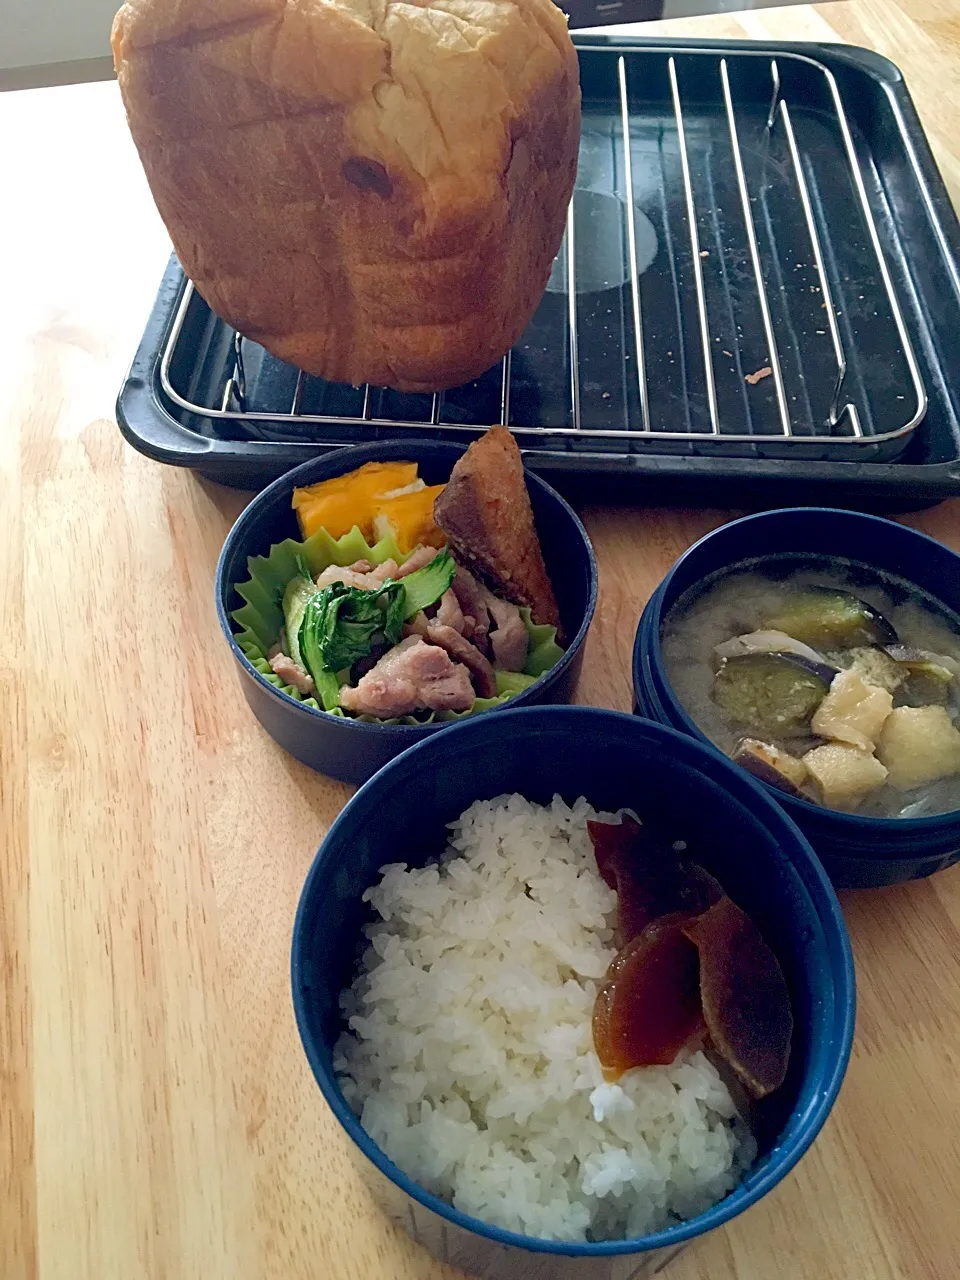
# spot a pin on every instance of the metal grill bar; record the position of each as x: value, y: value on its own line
x: 695, y: 247
x: 849, y: 409
x: 774, y: 95
x: 572, y: 317
x: 239, y: 376
x: 297, y: 395
x: 257, y: 424
x: 898, y: 317
x: 505, y: 390
x: 772, y: 350
x: 632, y: 247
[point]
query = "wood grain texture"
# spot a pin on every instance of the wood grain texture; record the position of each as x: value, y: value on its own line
x: 157, y: 1117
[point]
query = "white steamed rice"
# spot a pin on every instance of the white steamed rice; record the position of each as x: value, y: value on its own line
x: 471, y: 1059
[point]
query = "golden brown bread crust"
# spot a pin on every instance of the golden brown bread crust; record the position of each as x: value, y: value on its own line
x: 373, y: 189
x: 486, y: 514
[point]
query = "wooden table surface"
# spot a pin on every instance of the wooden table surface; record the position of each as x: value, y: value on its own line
x: 158, y: 1120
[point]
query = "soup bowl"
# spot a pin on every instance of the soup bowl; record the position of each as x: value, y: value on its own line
x: 614, y: 760
x: 858, y: 851
x: 353, y: 749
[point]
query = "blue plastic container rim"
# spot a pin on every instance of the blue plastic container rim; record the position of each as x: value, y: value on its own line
x: 360, y: 454
x: 654, y: 610
x: 802, y: 1127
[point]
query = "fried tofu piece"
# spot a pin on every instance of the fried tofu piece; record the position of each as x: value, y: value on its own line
x: 919, y: 745
x: 486, y: 514
x: 853, y: 712
x: 845, y: 775
x: 874, y: 667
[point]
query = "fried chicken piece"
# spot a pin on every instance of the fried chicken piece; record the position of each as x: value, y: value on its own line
x: 485, y: 512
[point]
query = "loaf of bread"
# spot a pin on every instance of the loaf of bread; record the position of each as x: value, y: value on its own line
x: 374, y: 190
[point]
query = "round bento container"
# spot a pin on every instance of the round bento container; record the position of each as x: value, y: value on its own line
x: 858, y: 852
x: 353, y: 750
x: 615, y: 760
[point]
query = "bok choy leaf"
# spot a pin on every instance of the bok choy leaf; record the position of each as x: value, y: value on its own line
x: 425, y: 586
x: 340, y: 625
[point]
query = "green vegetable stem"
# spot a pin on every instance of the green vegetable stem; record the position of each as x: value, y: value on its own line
x: 300, y: 591
x: 425, y: 586
x: 328, y: 689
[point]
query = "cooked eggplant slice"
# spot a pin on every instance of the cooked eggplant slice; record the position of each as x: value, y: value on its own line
x: 764, y: 642
x: 829, y: 619
x: 927, y: 686
x: 927, y: 677
x: 772, y: 693
x: 771, y: 765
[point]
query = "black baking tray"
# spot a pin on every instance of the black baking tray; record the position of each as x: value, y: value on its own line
x: 917, y: 230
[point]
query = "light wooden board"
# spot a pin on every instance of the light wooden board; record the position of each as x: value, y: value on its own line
x: 157, y: 1118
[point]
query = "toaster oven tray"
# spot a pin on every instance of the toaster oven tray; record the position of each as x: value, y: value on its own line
x: 756, y: 303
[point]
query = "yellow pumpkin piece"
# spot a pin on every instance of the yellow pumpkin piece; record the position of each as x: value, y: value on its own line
x: 344, y: 501
x: 409, y: 517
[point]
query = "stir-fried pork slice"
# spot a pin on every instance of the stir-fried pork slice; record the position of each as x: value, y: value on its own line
x: 417, y: 626
x: 484, y: 680
x: 467, y: 590
x: 450, y: 614
x: 369, y: 579
x: 509, y: 640
x: 470, y: 598
x: 417, y: 558
x: 292, y: 673
x: 349, y: 577
x: 389, y: 569
x: 412, y: 676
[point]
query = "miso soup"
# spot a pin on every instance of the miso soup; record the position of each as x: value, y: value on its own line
x: 826, y: 679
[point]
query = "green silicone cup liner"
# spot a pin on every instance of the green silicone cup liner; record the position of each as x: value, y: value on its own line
x: 260, y: 619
